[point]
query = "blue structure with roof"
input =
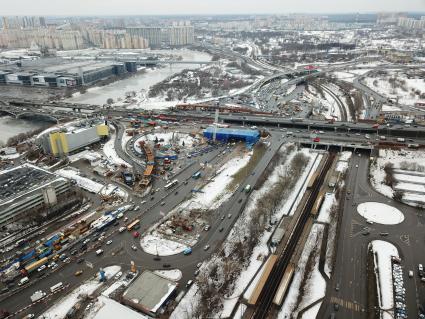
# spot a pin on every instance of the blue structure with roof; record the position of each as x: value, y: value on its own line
x: 231, y: 134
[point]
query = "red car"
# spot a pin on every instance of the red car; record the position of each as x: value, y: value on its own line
x: 136, y: 234
x: 316, y: 140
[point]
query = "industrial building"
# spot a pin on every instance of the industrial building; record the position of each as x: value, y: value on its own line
x: 225, y: 135
x: 149, y: 292
x: 71, y: 137
x: 27, y: 188
x: 58, y: 72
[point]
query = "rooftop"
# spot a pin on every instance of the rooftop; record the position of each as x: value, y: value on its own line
x: 150, y: 291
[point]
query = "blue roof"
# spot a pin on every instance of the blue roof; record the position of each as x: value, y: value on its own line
x: 225, y: 134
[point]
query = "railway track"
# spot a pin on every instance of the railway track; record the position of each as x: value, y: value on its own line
x: 342, y: 110
x: 266, y: 297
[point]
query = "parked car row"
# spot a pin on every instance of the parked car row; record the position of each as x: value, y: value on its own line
x: 400, y: 311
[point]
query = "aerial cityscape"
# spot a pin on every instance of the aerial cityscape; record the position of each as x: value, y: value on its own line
x: 210, y: 159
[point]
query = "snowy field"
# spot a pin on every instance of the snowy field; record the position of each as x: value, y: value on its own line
x: 383, y: 251
x: 404, y: 88
x: 407, y: 171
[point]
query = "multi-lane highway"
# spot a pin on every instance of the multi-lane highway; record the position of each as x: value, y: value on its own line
x: 348, y: 284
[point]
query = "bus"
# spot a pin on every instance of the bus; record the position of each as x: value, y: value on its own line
x: 56, y: 287
x: 196, y: 175
x: 133, y: 225
x: 171, y: 184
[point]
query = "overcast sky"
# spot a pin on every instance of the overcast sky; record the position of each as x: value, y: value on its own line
x: 165, y: 7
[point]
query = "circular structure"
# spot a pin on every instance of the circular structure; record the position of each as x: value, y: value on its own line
x: 380, y: 213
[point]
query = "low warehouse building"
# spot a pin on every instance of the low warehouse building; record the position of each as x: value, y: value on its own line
x: 250, y: 137
x: 149, y: 292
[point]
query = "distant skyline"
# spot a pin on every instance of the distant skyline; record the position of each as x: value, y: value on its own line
x: 205, y: 7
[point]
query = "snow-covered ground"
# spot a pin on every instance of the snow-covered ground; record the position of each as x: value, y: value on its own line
x: 407, y: 172
x: 315, y: 284
x: 61, y: 308
x: 383, y: 251
x: 156, y: 244
x: 328, y: 202
x: 173, y: 274
x: 111, y: 154
x: 111, y: 189
x: 83, y: 182
x: 187, y: 306
x: 176, y: 138
x: 106, y: 308
x: 404, y: 91
x: 90, y: 156
x: 380, y: 213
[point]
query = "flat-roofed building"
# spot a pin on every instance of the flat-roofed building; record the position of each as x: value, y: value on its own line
x: 149, y: 292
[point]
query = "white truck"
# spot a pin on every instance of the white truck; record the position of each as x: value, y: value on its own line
x: 400, y: 139
x: 23, y: 281
x: 37, y: 295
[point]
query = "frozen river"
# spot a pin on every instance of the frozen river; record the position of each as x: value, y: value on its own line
x: 99, y: 95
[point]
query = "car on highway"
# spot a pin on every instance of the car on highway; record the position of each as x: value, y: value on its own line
x: 99, y: 252
x: 79, y: 261
x: 166, y: 265
x: 122, y: 229
x: 221, y: 229
x: 222, y: 217
x: 189, y: 283
x: 125, y: 219
x: 133, y: 247
x: 67, y: 260
x: 229, y: 216
x: 118, y: 275
x: 198, y: 265
x: 109, y: 242
x: 207, y: 227
x: 206, y: 247
x: 196, y: 273
x: 41, y: 268
x: 163, y: 203
x: 78, y: 272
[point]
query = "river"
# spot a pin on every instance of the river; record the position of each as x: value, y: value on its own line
x: 99, y: 95
x: 9, y: 126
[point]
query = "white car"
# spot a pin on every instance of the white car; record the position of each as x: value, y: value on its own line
x: 109, y: 242
x: 41, y: 268
x: 118, y: 275
x: 133, y: 247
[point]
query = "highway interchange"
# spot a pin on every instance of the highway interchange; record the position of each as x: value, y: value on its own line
x: 350, y: 268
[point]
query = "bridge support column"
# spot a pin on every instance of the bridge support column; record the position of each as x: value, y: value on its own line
x: 340, y: 148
